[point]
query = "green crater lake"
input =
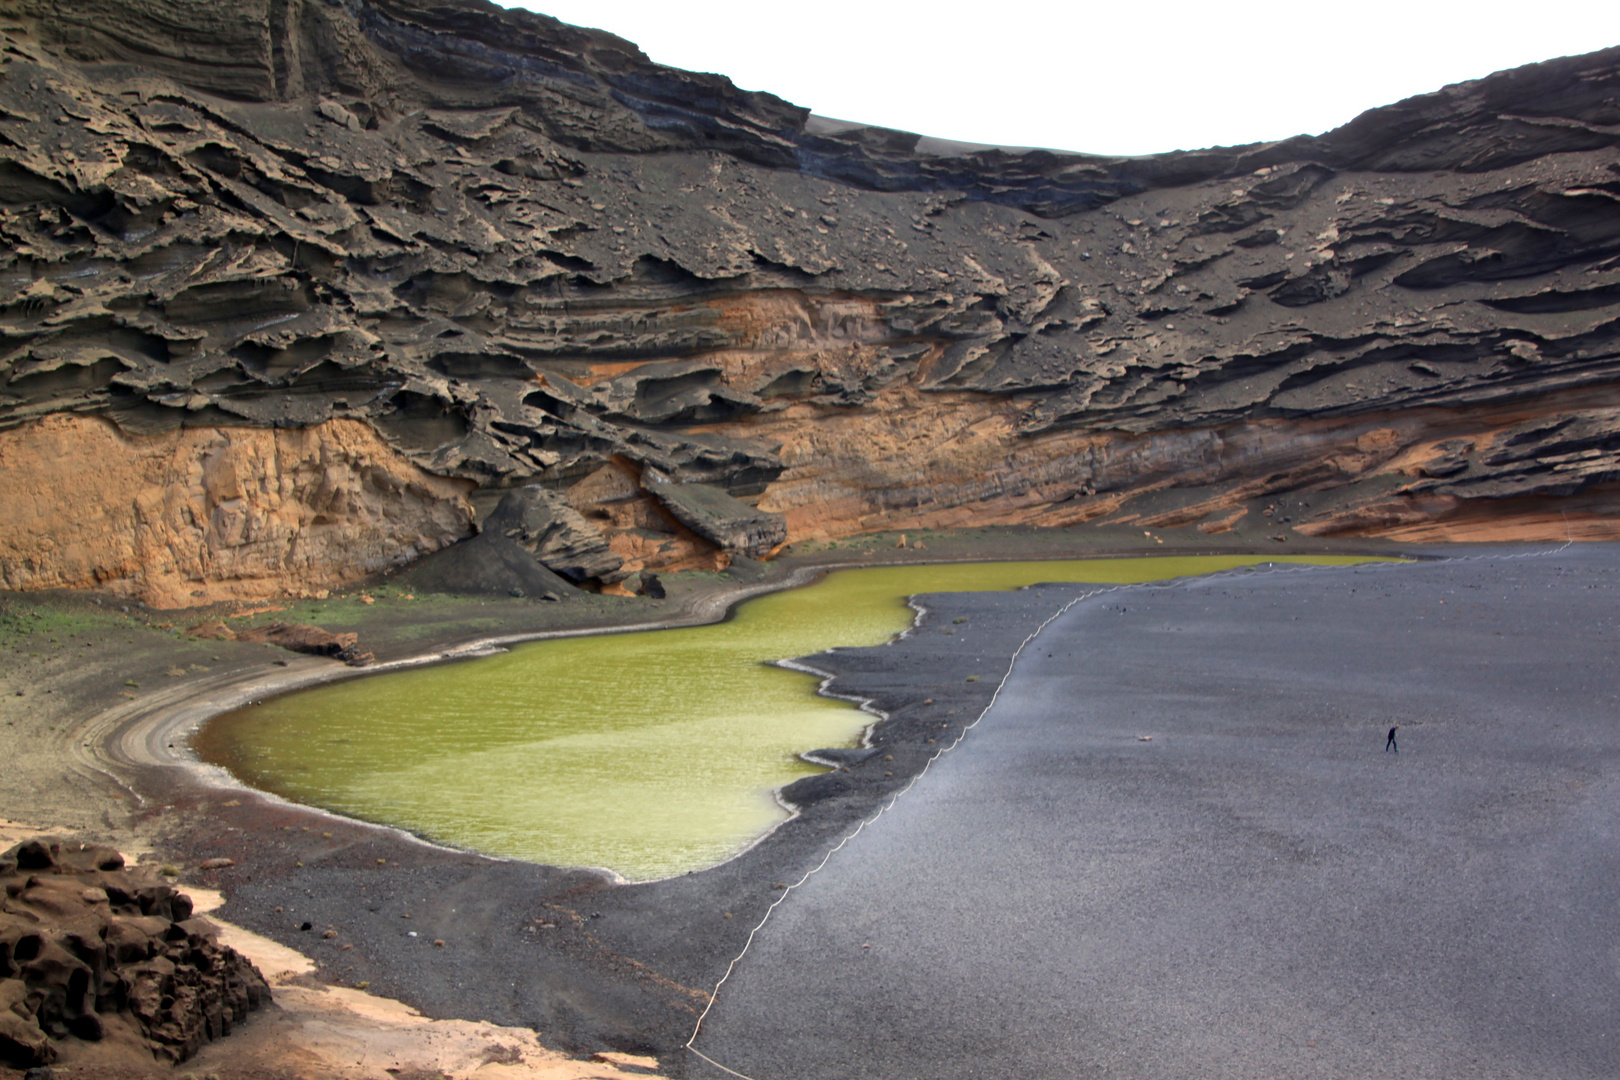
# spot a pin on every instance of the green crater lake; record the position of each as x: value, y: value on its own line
x: 649, y: 753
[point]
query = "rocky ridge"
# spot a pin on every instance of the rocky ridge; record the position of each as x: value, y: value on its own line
x: 512, y: 254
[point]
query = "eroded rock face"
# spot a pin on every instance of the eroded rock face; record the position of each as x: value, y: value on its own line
x: 726, y: 522
x: 199, y: 514
x: 97, y: 951
x: 542, y: 524
x: 521, y: 253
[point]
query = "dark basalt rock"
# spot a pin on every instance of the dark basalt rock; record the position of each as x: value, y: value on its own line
x: 554, y: 534
x: 717, y: 517
x: 86, y: 943
x: 645, y: 583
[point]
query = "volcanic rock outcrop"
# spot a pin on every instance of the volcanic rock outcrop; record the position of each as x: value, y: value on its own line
x: 97, y: 952
x: 514, y: 253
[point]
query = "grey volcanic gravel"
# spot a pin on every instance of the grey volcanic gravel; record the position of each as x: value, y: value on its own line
x: 1257, y: 890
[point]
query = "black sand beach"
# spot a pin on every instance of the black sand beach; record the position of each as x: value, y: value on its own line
x: 1176, y: 846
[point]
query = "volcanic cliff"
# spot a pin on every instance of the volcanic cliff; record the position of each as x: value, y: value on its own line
x: 295, y: 291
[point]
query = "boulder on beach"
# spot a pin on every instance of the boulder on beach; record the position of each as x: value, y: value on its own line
x: 295, y: 637
x: 93, y: 950
x: 489, y: 564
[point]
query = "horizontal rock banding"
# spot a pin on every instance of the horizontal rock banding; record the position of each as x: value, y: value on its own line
x: 522, y: 254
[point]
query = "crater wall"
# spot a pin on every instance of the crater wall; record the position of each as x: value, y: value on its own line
x: 471, y: 251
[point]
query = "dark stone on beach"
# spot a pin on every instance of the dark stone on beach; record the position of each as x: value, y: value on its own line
x: 489, y: 564
x: 651, y: 587
x: 553, y: 532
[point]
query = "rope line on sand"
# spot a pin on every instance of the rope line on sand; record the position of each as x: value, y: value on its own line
x: 1272, y: 568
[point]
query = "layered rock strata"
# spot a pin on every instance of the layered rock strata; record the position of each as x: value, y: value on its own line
x: 95, y: 952
x: 516, y: 253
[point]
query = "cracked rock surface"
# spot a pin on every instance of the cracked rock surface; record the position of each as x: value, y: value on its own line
x: 519, y: 254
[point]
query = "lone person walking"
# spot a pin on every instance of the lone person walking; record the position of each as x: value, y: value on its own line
x: 1390, y: 743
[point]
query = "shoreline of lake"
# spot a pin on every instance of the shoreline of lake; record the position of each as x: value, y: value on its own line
x: 277, y: 847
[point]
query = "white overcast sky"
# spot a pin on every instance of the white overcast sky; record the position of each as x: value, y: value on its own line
x: 1122, y: 77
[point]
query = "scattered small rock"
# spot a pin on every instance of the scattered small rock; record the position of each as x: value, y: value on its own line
x: 216, y: 864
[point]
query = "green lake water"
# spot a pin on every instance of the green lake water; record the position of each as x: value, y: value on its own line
x: 648, y: 753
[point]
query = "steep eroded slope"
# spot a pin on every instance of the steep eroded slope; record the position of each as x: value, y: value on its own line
x: 522, y: 254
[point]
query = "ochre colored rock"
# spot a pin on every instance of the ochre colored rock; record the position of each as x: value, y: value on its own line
x: 198, y: 515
